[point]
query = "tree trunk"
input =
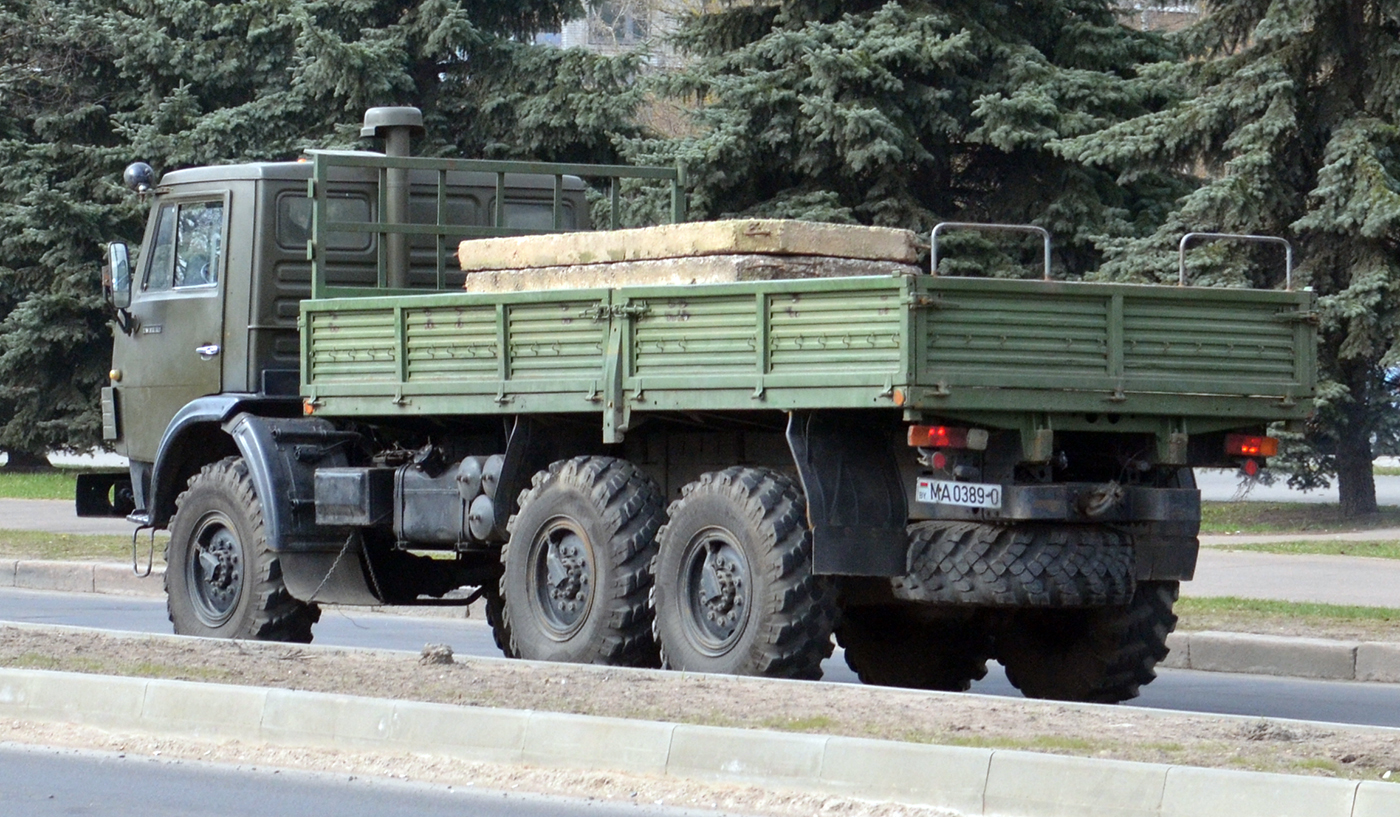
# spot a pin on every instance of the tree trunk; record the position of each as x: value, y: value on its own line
x: 27, y: 461
x: 1356, y: 483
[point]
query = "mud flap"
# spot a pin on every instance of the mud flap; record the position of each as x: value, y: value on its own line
x: 856, y: 503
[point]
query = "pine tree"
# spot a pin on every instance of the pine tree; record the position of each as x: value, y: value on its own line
x: 910, y: 113
x: 1290, y: 109
x: 87, y: 86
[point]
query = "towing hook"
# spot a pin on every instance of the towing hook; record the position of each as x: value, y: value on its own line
x: 1098, y: 501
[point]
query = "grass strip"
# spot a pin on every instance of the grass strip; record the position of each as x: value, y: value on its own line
x: 1288, y: 517
x: 1232, y: 614
x: 74, y: 547
x: 1322, y: 547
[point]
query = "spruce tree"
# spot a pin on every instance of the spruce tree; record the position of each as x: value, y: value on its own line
x: 910, y: 113
x: 1290, y: 112
x: 87, y: 86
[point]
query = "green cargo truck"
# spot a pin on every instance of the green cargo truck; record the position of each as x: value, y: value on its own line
x: 708, y: 447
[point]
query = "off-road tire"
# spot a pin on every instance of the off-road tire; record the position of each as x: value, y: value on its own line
x: 889, y: 646
x: 602, y: 515
x: 495, y: 619
x: 1098, y: 655
x: 753, y: 524
x: 1033, y: 565
x: 221, y: 579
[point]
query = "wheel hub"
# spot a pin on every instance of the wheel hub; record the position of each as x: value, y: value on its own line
x: 563, y: 578
x: 718, y: 591
x: 215, y: 572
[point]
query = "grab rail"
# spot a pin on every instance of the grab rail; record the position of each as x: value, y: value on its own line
x: 1258, y: 239
x: 968, y: 225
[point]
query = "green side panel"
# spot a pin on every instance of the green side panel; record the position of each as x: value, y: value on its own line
x: 693, y: 336
x: 828, y: 333
x: 358, y: 346
x: 452, y: 344
x: 555, y: 340
x: 1236, y: 347
x: 986, y: 338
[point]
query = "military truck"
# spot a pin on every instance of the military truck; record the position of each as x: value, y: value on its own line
x: 704, y: 446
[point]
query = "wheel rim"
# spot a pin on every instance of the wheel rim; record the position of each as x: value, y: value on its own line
x: 562, y: 572
x: 214, y: 570
x: 716, y: 591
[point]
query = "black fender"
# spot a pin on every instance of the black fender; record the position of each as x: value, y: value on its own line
x: 856, y: 503
x: 192, y: 426
x: 320, y: 563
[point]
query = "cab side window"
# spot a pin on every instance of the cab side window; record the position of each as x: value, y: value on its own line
x: 188, y: 246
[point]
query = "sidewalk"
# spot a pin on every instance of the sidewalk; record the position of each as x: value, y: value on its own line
x: 1347, y: 580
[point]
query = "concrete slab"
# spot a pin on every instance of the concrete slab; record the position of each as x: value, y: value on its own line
x: 577, y: 741
x: 120, y: 580
x: 1376, y: 661
x: 298, y: 717
x: 717, y: 269
x: 1025, y: 784
x: 689, y: 240
x: 471, y: 733
x: 68, y: 577
x: 90, y: 699
x: 7, y: 573
x: 1179, y: 651
x: 204, y: 710
x: 713, y: 753
x: 1273, y: 655
x: 1375, y: 799
x: 1193, y: 792
x: 949, y: 777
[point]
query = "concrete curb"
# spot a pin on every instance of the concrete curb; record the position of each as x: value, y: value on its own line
x: 1316, y: 658
x: 968, y: 780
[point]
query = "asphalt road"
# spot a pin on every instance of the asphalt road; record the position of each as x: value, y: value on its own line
x: 1181, y: 690
x: 48, y: 782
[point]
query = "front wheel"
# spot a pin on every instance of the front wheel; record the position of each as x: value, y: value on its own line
x: 734, y: 588
x: 221, y: 578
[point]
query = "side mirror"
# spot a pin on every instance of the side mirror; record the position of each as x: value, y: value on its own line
x: 116, y: 278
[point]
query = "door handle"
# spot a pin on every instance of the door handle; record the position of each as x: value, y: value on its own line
x: 208, y: 350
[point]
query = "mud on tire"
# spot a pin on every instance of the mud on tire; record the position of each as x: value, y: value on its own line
x: 734, y: 589
x: 577, y: 566
x: 1034, y: 565
x: 1100, y: 655
x: 221, y: 579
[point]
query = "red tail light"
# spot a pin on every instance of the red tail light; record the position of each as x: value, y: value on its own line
x: 1241, y: 445
x: 947, y: 437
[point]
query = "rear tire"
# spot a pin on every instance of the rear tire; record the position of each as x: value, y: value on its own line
x: 734, y: 590
x: 221, y: 578
x: 891, y: 646
x: 577, y: 566
x: 1099, y: 655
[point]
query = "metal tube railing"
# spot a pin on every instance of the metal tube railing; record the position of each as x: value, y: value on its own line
x: 968, y: 225
x: 1257, y: 239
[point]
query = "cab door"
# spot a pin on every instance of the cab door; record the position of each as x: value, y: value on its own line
x: 173, y: 354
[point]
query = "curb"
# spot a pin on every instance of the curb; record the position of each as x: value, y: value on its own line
x: 967, y: 780
x: 1316, y: 658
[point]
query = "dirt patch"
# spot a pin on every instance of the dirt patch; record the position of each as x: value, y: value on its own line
x: 961, y: 720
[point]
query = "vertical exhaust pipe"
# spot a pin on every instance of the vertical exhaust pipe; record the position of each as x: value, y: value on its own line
x: 396, y: 126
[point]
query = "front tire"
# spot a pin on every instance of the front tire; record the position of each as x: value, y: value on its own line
x: 734, y: 590
x: 221, y: 579
x: 1098, y: 655
x: 577, y: 566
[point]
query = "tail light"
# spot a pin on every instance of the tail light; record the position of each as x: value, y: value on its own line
x: 1241, y: 445
x: 947, y: 437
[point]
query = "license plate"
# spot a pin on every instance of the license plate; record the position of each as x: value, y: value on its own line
x: 962, y: 494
